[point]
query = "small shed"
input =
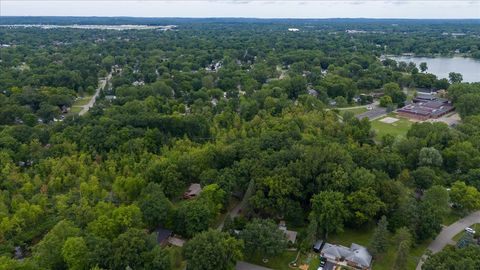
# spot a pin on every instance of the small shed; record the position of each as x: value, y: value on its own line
x: 193, y: 191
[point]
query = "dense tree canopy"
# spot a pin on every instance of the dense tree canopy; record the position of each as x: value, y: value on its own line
x: 243, y: 109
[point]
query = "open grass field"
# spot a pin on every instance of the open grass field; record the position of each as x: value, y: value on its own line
x: 397, y: 129
x: 279, y: 262
x: 82, y: 101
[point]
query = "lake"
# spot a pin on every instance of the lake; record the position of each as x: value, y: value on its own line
x: 441, y: 66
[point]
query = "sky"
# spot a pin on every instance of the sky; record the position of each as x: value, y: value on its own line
x: 419, y: 9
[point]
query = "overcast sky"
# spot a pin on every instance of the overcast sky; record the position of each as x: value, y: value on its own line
x: 245, y: 8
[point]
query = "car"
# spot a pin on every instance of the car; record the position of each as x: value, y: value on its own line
x: 369, y: 108
x: 470, y: 230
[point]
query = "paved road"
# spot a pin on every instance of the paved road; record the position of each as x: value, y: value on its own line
x: 101, y: 85
x: 447, y: 233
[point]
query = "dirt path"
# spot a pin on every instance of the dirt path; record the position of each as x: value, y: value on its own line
x: 235, y: 211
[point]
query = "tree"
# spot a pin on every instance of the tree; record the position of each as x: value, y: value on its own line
x: 426, y: 221
x: 329, y: 212
x: 393, y: 90
x: 193, y: 216
x: 156, y: 208
x: 379, y: 241
x: 450, y: 257
x: 48, y: 252
x: 467, y: 198
x: 296, y: 86
x: 129, y: 248
x: 158, y: 259
x: 214, y: 195
x: 424, y: 177
x: 455, y: 77
x: 75, y: 253
x: 129, y: 216
x: 385, y: 101
x: 468, y: 104
x: 263, y: 235
x: 212, y: 250
x: 423, y: 66
x: 364, y: 205
x: 438, y: 196
x: 401, y: 257
x: 430, y: 156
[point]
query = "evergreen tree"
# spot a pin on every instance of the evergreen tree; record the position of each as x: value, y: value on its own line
x: 379, y: 242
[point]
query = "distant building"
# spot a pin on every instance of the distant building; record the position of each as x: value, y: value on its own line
x: 312, y: 92
x: 425, y: 107
x: 356, y: 256
x: 110, y: 97
x: 293, y: 29
x: 193, y: 191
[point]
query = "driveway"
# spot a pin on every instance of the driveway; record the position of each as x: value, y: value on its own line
x: 447, y: 233
x: 328, y: 266
x: 248, y: 266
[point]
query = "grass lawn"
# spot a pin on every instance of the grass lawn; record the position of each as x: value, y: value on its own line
x: 459, y: 235
x: 315, y: 263
x: 397, y: 129
x: 451, y: 217
x: 75, y: 109
x: 386, y: 261
x: 359, y: 236
x: 82, y: 101
x: 279, y: 262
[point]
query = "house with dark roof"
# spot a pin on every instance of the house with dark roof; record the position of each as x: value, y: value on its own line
x: 356, y: 256
x: 163, y: 235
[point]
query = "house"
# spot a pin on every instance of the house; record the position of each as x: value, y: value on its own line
x: 193, y: 191
x: 290, y: 235
x: 356, y: 256
x: 163, y: 236
x: 110, y: 97
x: 312, y: 92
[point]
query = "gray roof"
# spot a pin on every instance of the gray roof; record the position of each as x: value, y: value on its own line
x: 360, y: 255
x: 356, y: 253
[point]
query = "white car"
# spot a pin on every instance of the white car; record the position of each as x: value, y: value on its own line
x: 369, y: 108
x: 470, y: 230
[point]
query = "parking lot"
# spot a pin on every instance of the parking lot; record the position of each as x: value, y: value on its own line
x: 373, y: 114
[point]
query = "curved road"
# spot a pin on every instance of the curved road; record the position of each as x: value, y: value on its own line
x: 447, y: 233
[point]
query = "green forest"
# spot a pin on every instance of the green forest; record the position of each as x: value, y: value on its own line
x: 250, y: 111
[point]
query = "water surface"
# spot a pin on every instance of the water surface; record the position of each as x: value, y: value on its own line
x: 441, y: 66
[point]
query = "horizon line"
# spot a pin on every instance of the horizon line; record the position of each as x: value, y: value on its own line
x: 235, y: 17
